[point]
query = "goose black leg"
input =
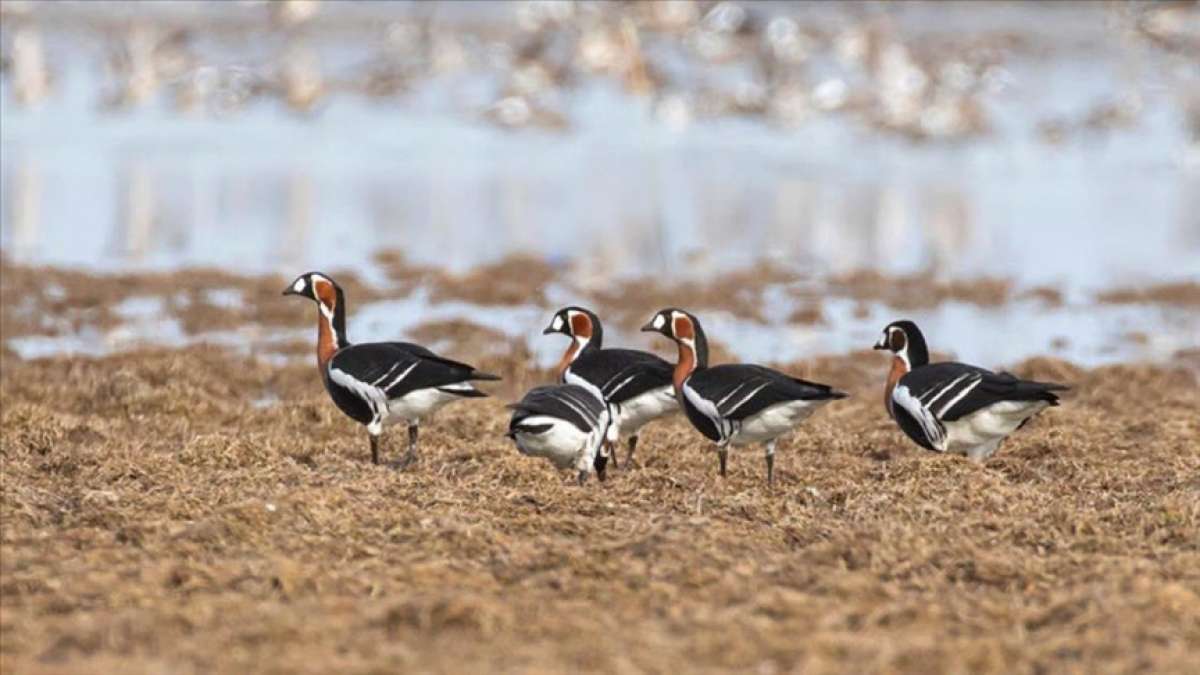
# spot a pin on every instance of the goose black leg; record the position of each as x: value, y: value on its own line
x: 632, y: 447
x: 611, y: 449
x: 771, y: 464
x: 722, y: 454
x: 411, y: 456
x: 601, y: 466
x: 374, y: 448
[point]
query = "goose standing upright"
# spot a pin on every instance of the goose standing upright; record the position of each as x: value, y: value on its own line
x: 735, y: 404
x: 380, y: 383
x: 955, y: 407
x: 636, y: 384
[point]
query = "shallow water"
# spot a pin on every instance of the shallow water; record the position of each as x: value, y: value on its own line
x: 638, y: 186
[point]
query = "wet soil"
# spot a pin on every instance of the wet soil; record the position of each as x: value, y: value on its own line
x: 49, y: 301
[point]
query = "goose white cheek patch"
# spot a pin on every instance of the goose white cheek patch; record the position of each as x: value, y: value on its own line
x: 558, y: 323
x: 659, y: 321
x: 298, y: 286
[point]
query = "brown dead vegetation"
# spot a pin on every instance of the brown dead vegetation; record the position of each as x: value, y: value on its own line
x: 919, y: 291
x: 515, y: 280
x: 51, y: 301
x: 1183, y: 294
x: 154, y: 519
x: 740, y: 293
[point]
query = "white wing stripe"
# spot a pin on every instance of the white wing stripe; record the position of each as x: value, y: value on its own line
x: 730, y: 394
x: 388, y: 374
x: 747, y: 398
x: 941, y: 391
x: 966, y: 390
x: 401, y: 376
x: 579, y: 407
x: 624, y: 382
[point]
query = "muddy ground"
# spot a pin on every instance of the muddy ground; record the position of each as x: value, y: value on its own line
x: 197, y: 510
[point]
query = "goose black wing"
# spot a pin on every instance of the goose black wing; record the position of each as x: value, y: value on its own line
x: 622, y: 374
x: 949, y: 391
x: 425, y: 353
x: 567, y: 402
x: 737, y: 391
x: 396, y: 369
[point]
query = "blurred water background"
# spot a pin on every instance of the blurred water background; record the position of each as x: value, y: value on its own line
x: 1054, y: 145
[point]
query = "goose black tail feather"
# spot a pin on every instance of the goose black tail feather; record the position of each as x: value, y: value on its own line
x: 825, y: 391
x: 464, y: 393
x: 1031, y: 390
x: 1046, y: 391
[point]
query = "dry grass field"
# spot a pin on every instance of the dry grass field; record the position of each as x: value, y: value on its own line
x: 156, y: 520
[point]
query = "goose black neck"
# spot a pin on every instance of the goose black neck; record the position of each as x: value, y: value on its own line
x: 701, y: 345
x: 339, y: 320
x: 918, y: 353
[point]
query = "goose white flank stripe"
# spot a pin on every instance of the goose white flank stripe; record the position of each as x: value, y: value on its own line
x: 711, y: 411
x: 931, y: 427
x: 955, y: 407
x: 566, y: 425
x: 382, y: 383
x: 735, y: 404
x: 635, y: 385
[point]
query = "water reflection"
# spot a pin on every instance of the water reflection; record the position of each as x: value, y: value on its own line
x: 25, y: 209
x: 135, y: 223
x: 30, y: 76
x: 629, y: 216
x: 615, y: 139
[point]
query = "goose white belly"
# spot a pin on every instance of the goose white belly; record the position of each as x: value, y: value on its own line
x: 562, y: 443
x: 638, y: 411
x: 774, y: 421
x: 979, y: 434
x: 420, y: 403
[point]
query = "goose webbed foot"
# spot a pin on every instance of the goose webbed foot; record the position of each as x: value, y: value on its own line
x: 409, y: 459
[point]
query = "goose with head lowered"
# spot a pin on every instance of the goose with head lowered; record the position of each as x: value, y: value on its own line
x: 564, y: 423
